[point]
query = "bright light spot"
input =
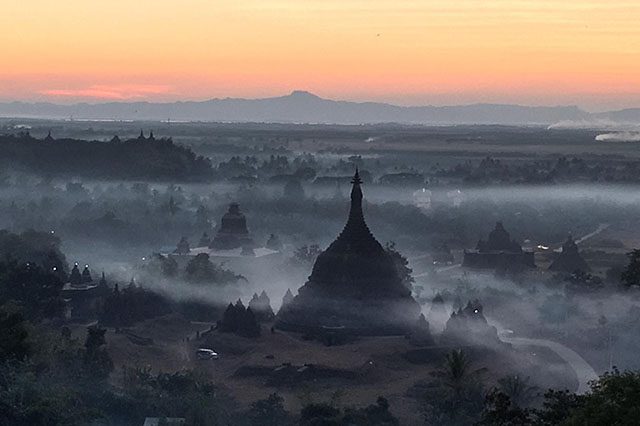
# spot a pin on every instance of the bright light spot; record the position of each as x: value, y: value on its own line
x: 475, y: 311
x: 144, y: 258
x: 54, y: 268
x: 53, y: 232
x: 86, y: 266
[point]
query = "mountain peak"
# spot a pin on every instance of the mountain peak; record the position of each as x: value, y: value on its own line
x: 303, y: 94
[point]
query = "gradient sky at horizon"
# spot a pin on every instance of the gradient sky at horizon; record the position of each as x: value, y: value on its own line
x: 534, y: 52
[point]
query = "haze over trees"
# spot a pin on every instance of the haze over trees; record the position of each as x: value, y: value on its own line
x: 128, y: 336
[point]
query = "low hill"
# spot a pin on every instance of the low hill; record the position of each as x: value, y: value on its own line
x: 142, y: 158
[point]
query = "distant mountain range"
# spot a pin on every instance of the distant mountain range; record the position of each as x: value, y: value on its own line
x: 305, y: 107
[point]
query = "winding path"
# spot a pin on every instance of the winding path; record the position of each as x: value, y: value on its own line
x: 584, y: 371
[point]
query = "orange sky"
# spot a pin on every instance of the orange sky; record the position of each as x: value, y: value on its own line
x: 409, y: 52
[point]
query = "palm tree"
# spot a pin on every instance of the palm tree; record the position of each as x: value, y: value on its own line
x: 457, y: 372
x: 517, y: 389
x: 463, y: 401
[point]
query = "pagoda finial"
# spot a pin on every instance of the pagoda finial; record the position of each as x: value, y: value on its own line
x: 356, y: 177
x: 356, y: 194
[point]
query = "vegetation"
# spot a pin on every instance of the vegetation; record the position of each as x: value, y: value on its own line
x: 132, y: 304
x: 631, y: 274
x: 611, y: 401
x: 328, y: 415
x: 459, y: 394
x: 201, y: 270
x: 138, y: 158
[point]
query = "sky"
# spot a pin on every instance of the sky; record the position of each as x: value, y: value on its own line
x: 535, y: 52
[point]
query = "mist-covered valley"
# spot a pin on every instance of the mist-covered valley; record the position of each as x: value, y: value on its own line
x: 295, y: 252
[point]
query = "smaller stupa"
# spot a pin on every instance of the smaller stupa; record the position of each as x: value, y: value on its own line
x: 569, y: 260
x: 468, y: 326
x: 233, y: 232
x: 183, y: 246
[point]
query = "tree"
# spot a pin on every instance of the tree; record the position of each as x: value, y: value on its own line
x: 631, y: 274
x: 35, y: 290
x: 307, y: 254
x: 457, y: 371
x: 201, y: 270
x: 499, y: 411
x: 269, y: 412
x: 185, y: 393
x: 517, y: 389
x: 613, y: 400
x: 402, y: 265
x: 166, y: 265
x: 40, y: 248
x: 325, y: 414
x: 377, y: 414
x: 459, y: 399
x: 558, y: 405
x: 97, y: 361
x: 320, y: 415
x: 13, y: 336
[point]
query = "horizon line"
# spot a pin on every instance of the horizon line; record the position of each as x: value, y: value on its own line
x: 106, y: 101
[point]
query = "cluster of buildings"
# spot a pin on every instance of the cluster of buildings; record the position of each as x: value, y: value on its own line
x: 232, y: 244
x: 82, y: 294
x: 501, y: 252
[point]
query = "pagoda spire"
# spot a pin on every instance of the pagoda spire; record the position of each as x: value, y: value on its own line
x: 356, y: 233
x: 355, y: 213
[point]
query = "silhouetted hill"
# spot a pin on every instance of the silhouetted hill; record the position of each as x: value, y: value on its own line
x: 299, y: 107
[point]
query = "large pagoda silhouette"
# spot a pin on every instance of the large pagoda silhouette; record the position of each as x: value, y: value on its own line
x: 354, y: 286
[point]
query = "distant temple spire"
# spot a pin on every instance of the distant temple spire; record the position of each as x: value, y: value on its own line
x: 49, y: 138
x: 141, y: 137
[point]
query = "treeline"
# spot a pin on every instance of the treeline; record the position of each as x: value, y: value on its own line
x: 537, y: 172
x: 142, y: 158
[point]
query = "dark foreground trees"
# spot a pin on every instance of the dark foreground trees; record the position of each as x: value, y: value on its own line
x: 377, y: 414
x: 613, y: 400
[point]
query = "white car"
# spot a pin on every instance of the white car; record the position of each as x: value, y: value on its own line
x: 205, y: 354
